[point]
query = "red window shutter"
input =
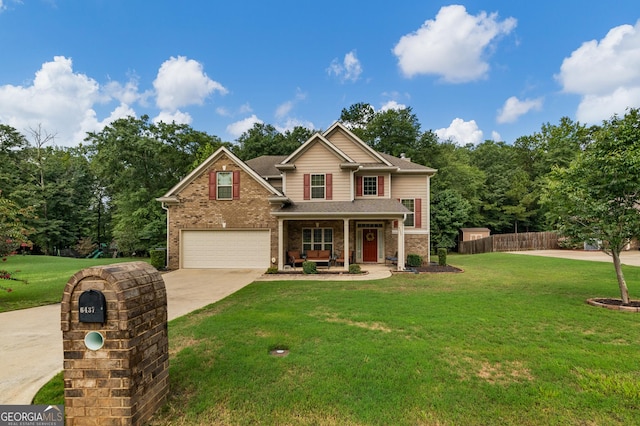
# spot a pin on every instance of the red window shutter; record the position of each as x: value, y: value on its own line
x: 307, y: 186
x: 380, y: 186
x: 329, y: 189
x: 212, y: 185
x: 417, y: 214
x: 236, y: 184
x: 358, y: 186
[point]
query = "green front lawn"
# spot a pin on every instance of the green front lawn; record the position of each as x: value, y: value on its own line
x: 45, y: 278
x: 510, y: 341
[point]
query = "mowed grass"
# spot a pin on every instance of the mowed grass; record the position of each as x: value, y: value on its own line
x: 510, y: 341
x: 45, y: 278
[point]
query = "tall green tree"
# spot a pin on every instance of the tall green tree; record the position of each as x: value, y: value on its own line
x: 265, y: 139
x: 12, y: 144
x: 596, y: 198
x: 13, y: 226
x: 449, y: 212
x: 135, y: 162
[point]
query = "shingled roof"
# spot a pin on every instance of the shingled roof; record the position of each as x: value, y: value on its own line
x: 265, y: 165
x: 340, y: 208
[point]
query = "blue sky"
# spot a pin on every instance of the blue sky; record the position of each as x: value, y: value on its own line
x: 470, y: 71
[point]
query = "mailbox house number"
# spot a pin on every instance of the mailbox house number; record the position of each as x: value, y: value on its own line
x: 92, y: 306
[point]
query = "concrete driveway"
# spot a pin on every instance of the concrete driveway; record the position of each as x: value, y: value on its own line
x: 31, y: 340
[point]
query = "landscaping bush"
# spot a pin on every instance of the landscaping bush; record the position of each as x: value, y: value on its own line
x: 158, y: 257
x: 309, y: 267
x: 414, y: 260
x: 442, y: 256
x: 354, y: 268
x: 272, y: 270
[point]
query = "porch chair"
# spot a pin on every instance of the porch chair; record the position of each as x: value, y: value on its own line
x: 392, y: 259
x: 294, y: 258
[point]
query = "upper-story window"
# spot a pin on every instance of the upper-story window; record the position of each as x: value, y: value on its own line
x: 318, y: 186
x: 370, y: 185
x: 410, y: 204
x: 225, y: 186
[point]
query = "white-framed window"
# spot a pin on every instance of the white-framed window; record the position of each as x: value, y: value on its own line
x: 317, y: 239
x: 370, y: 185
x: 318, y: 187
x: 224, y: 186
x: 409, y: 203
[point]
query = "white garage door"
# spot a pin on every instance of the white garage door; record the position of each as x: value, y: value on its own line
x: 226, y: 249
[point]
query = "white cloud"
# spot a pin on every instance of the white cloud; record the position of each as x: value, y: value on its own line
x: 392, y: 105
x: 291, y: 123
x: 182, y: 82
x: 461, y: 132
x: 496, y: 137
x: 454, y: 45
x: 58, y: 99
x: 284, y: 109
x: 605, y: 73
x: 239, y: 127
x: 170, y: 116
x: 347, y: 70
x: 514, y: 108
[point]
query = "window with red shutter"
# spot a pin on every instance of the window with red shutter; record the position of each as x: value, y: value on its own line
x: 236, y: 184
x: 329, y: 183
x: 418, y: 213
x: 358, y: 186
x: 307, y: 186
x: 380, y: 186
x: 212, y: 185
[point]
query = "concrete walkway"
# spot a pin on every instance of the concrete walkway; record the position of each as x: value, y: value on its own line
x: 31, y: 340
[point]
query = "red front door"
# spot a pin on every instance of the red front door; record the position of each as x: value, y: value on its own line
x: 370, y: 245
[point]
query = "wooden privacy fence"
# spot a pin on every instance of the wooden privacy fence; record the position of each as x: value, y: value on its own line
x: 511, y: 242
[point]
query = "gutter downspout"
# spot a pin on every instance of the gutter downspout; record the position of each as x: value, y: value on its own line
x: 166, y: 260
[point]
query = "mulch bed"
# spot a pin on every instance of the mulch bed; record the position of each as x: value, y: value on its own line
x: 615, y: 304
x: 433, y: 268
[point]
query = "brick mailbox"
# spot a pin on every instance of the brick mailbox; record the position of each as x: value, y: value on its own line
x: 116, y: 350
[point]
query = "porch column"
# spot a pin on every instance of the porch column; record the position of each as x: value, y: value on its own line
x: 346, y: 244
x: 281, y: 253
x: 401, y: 255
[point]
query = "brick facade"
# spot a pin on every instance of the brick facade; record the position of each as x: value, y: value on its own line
x: 195, y: 211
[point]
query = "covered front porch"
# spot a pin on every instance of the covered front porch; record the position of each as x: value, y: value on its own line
x: 349, y: 234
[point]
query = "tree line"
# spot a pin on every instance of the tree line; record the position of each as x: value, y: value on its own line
x: 102, y: 193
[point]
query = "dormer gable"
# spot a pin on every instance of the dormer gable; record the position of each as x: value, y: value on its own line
x: 352, y: 145
x: 289, y: 162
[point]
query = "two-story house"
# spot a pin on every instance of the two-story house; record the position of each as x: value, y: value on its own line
x: 333, y: 193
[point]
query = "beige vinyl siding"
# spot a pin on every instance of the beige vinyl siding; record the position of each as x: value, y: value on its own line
x: 345, y: 144
x: 403, y: 186
x: 318, y: 160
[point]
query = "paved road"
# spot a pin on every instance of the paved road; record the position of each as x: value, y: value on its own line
x: 31, y: 340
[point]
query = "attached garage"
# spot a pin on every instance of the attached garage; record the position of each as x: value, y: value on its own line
x: 226, y: 249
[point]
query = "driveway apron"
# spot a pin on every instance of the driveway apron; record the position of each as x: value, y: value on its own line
x: 31, y: 340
